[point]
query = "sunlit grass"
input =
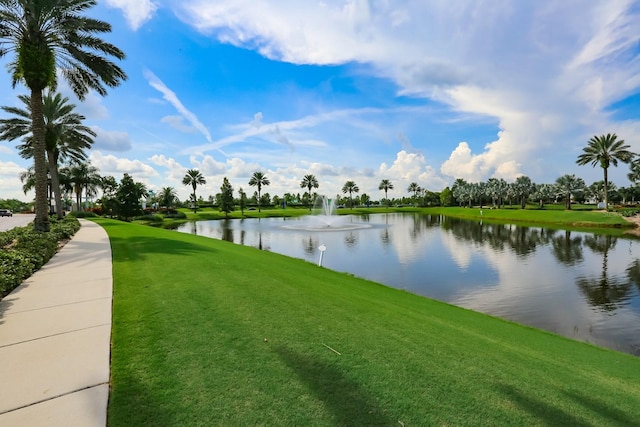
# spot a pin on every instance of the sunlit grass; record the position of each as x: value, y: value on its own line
x: 210, y: 333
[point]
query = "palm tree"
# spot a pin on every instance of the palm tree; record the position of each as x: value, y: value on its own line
x: 66, y: 138
x: 634, y: 172
x: 605, y: 150
x: 415, y: 189
x: 309, y: 182
x: 84, y: 177
x: 258, y: 179
x: 350, y: 187
x: 385, y: 185
x: 167, y: 197
x: 50, y: 35
x: 193, y: 177
x: 569, y: 184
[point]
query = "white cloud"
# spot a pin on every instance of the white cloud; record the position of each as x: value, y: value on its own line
x: 177, y: 122
x: 117, y: 166
x: 137, y: 12
x: 545, y: 71
x: 111, y: 140
x: 172, y: 98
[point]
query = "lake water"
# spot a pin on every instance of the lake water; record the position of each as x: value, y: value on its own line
x: 584, y: 286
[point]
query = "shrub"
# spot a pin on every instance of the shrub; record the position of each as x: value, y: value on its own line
x: 82, y: 214
x: 23, y: 250
x: 629, y: 212
x: 149, y: 217
x: 177, y: 215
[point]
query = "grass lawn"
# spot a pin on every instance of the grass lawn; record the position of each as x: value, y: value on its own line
x: 210, y: 333
x: 582, y: 216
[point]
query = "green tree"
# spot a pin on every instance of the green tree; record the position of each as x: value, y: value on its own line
x: 634, y: 172
x: 226, y: 197
x: 258, y: 179
x: 415, y: 189
x: 523, y: 187
x: 84, y: 177
x: 309, y: 182
x: 446, y: 197
x: 167, y: 197
x: 243, y: 200
x: 385, y: 185
x: 605, y: 150
x: 193, y: 177
x: 109, y: 186
x: 66, y: 138
x: 128, y: 196
x: 46, y: 35
x: 350, y: 187
x: 568, y: 185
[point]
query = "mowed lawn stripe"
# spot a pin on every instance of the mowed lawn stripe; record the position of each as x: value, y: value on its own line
x: 191, y: 316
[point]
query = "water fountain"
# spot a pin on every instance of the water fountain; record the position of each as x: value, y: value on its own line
x: 323, y: 217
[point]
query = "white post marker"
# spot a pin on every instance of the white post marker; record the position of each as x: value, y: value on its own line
x: 321, y: 248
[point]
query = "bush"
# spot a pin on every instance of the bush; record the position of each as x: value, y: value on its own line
x: 177, y: 215
x: 148, y: 217
x: 629, y: 212
x: 82, y: 214
x: 23, y: 251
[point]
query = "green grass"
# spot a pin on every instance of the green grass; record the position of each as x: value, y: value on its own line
x: 191, y: 315
x: 572, y: 218
x: 581, y: 216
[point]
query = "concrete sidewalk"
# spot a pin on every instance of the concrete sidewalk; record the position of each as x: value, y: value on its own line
x: 55, y: 334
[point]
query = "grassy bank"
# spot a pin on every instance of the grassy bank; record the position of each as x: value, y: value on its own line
x: 210, y: 333
x: 553, y: 215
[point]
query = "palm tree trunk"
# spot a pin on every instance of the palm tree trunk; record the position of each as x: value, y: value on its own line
x: 41, y: 222
x: 606, y: 189
x: 55, y: 183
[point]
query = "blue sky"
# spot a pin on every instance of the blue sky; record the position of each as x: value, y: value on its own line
x: 363, y: 90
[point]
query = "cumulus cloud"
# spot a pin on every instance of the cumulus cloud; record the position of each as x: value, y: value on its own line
x: 137, y: 12
x: 208, y: 165
x: 117, y: 166
x: 542, y: 70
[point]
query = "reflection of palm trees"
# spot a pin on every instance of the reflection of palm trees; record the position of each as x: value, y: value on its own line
x: 633, y: 272
x: 603, y: 292
x: 308, y: 245
x: 567, y: 249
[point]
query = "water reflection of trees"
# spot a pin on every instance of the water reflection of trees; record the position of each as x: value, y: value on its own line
x: 600, y: 290
x: 520, y: 240
x: 567, y: 249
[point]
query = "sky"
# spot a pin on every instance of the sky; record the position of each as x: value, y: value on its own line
x: 422, y: 91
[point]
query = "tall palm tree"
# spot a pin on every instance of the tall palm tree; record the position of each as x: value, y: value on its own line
x: 193, y: 177
x: 258, y: 179
x: 45, y: 35
x: 84, y: 177
x: 350, y: 187
x: 605, y: 150
x: 568, y: 185
x: 66, y: 138
x: 309, y: 182
x: 415, y: 189
x: 385, y: 185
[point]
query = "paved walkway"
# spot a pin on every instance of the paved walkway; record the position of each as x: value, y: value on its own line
x: 55, y: 333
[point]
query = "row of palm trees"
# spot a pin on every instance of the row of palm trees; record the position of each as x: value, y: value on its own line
x: 66, y: 141
x: 45, y: 39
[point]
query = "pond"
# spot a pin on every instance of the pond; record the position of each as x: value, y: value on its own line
x: 582, y: 285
